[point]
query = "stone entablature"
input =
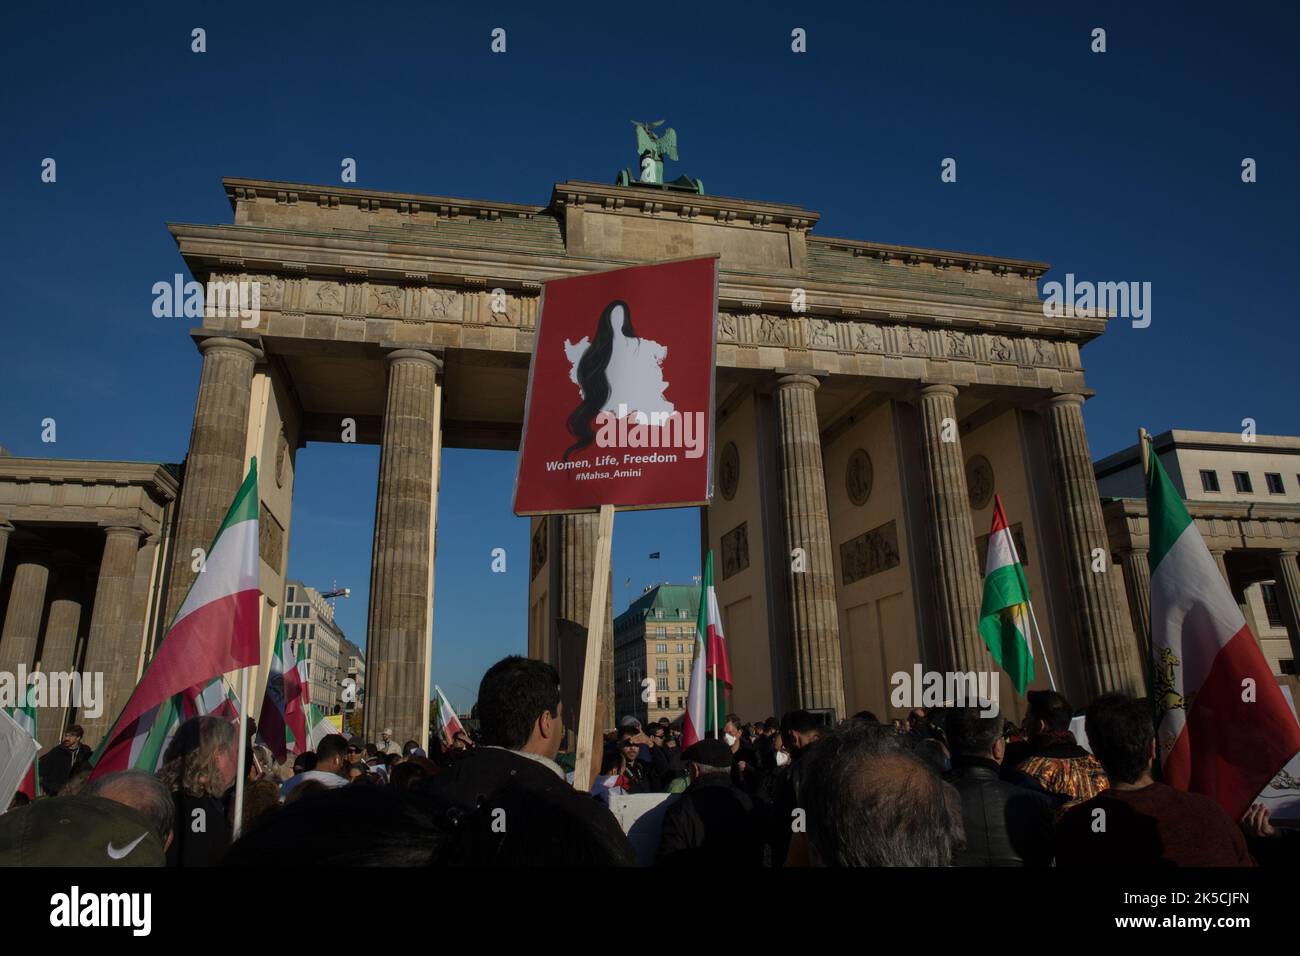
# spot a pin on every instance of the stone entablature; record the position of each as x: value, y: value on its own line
x: 103, y: 493
x: 1225, y: 526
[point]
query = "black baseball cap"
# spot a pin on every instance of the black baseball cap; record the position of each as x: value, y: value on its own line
x: 710, y: 751
x: 78, y: 831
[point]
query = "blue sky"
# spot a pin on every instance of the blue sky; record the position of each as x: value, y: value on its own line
x: 1116, y: 166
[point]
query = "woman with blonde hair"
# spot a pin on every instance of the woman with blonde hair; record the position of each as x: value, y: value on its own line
x: 198, y: 768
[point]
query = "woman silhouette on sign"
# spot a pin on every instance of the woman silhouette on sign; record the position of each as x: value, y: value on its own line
x: 617, y: 373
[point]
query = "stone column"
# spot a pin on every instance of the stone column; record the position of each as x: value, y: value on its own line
x: 59, y: 651
x: 1137, y: 582
x: 6, y: 529
x: 1108, y: 664
x: 26, y: 608
x: 958, y: 588
x: 399, y: 573
x: 1223, y: 565
x: 215, y: 465
x: 573, y: 548
x: 1287, y: 574
x: 113, y: 645
x: 814, y: 626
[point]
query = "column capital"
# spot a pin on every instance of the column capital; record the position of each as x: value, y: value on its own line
x: 798, y: 380
x: 245, y: 345
x: 1282, y: 555
x: 6, y: 526
x: 1064, y: 399
x: 935, y: 388
x: 407, y: 355
x: 1132, y: 550
x: 120, y: 529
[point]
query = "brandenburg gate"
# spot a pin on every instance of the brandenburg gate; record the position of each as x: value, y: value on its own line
x: 871, y: 400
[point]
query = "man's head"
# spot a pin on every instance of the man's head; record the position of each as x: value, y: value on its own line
x: 1122, y: 736
x: 916, y: 720
x: 970, y: 734
x: 356, y: 750
x: 202, y: 759
x: 733, y: 731
x: 519, y: 706
x: 72, y: 736
x: 800, y: 730
x: 388, y: 734
x: 333, y: 752
x: 1048, y: 712
x: 871, y: 802
x: 629, y: 748
x: 141, y: 791
x: 709, y: 756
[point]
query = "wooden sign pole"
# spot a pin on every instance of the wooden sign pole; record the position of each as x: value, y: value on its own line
x: 595, y: 638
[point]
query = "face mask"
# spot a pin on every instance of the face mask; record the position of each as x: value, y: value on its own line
x: 730, y: 739
x: 782, y: 758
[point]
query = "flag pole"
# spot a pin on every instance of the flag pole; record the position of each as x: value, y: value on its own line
x: 1015, y: 553
x: 242, y: 759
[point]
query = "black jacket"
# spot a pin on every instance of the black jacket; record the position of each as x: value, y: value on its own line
x: 1005, y: 825
x: 200, y: 831
x: 56, y: 766
x: 504, y: 809
x: 713, y: 824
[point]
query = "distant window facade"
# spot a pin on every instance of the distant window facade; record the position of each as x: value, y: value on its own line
x: 1274, y: 482
x: 681, y: 683
x: 1242, y: 480
x: 290, y: 596
x: 1209, y: 479
x: 681, y: 648
x: 661, y: 648
x: 661, y: 667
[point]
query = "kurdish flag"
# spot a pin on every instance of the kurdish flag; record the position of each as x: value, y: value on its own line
x: 282, y: 723
x: 448, y: 723
x: 1004, y: 614
x: 709, y: 697
x: 216, y: 630
x: 25, y: 717
x: 1223, y: 726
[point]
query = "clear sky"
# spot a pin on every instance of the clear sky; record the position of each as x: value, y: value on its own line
x: 1122, y: 166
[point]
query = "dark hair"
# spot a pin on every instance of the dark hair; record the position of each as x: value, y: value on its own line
x: 304, y: 761
x: 611, y: 762
x: 335, y: 745
x: 75, y: 729
x: 1051, y: 708
x: 409, y: 747
x: 969, y: 733
x: 771, y: 724
x: 871, y: 802
x: 866, y: 715
x: 1120, y: 730
x: 800, y: 721
x: 592, y: 378
x: 407, y: 774
x: 513, y: 694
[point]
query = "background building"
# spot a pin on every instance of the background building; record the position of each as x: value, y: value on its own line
x: 655, y: 637
x: 1244, y: 494
x: 353, y: 663
x: 316, y: 642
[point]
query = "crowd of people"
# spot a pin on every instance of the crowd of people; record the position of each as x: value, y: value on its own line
x: 948, y: 787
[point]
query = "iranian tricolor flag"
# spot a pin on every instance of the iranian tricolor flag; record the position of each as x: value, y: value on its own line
x: 709, y: 697
x: 1004, y: 614
x: 25, y: 717
x: 448, y: 723
x: 216, y: 630
x: 1223, y: 726
x: 282, y: 723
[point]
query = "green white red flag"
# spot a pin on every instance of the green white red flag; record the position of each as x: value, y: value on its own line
x: 448, y: 723
x: 1004, y: 614
x: 318, y: 726
x: 25, y: 716
x: 216, y: 630
x: 282, y: 721
x: 709, y: 697
x: 1223, y: 726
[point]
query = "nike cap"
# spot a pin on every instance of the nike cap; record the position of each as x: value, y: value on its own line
x: 78, y: 831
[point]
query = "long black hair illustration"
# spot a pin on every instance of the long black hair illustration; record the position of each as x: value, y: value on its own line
x: 592, y: 378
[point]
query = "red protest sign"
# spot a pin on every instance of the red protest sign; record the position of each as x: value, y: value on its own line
x: 620, y: 391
